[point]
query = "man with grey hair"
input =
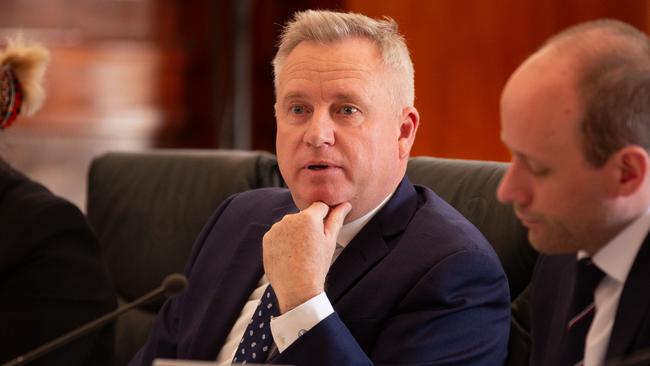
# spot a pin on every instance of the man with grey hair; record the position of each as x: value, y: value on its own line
x: 576, y: 116
x: 352, y: 265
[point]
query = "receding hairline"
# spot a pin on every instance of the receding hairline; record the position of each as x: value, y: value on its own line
x: 599, y: 46
x: 596, y: 50
x: 601, y: 53
x: 587, y: 30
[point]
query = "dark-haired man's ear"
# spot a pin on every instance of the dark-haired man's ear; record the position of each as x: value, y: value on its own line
x: 632, y: 164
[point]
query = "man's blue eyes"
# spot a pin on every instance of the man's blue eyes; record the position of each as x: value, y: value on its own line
x: 343, y: 110
x: 349, y: 110
x: 298, y: 109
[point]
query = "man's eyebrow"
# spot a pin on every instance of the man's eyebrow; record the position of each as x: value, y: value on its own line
x: 293, y: 95
x: 347, y: 96
x: 528, y: 160
x: 339, y: 96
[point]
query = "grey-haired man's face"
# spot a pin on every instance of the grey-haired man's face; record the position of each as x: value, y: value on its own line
x: 339, y: 135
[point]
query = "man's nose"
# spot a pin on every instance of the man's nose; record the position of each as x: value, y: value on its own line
x: 514, y: 186
x: 320, y: 129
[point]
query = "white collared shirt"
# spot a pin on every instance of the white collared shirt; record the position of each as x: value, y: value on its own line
x: 288, y: 327
x: 615, y: 259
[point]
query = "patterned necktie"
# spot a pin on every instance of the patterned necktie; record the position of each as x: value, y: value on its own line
x: 257, y: 339
x: 256, y: 342
x: 588, y: 276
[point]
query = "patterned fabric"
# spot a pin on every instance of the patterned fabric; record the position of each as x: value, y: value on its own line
x: 11, y: 97
x: 257, y: 339
x: 588, y: 276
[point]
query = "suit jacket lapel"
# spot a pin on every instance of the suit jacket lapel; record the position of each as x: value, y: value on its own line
x: 373, y: 241
x: 551, y: 297
x: 633, y: 305
x: 240, y: 278
x: 242, y: 275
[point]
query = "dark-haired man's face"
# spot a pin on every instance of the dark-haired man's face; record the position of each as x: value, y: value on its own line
x: 555, y: 192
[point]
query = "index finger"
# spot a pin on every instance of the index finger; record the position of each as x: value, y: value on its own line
x: 336, y: 218
x: 318, y: 209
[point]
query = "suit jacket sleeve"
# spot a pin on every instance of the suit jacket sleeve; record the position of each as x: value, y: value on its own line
x: 457, y: 314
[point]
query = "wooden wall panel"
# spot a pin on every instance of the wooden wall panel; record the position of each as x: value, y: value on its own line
x: 268, y: 18
x: 464, y: 51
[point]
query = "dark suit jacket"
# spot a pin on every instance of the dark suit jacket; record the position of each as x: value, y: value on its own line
x: 551, y: 290
x: 52, y: 277
x: 418, y: 285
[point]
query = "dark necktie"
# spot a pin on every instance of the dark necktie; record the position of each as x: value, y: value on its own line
x: 588, y: 276
x: 256, y: 342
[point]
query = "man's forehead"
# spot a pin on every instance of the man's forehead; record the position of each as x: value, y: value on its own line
x: 309, y: 73
x: 354, y: 54
x: 319, y: 72
x: 540, y: 111
x: 544, y: 85
x: 540, y: 144
x: 332, y: 92
x: 549, y: 65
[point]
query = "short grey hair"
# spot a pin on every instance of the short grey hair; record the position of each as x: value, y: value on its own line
x: 329, y: 26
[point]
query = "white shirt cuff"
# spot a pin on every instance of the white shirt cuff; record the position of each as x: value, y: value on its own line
x: 289, y: 326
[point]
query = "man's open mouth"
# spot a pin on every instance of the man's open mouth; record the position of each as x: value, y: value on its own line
x: 317, y: 166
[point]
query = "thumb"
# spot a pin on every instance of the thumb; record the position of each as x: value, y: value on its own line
x: 334, y: 220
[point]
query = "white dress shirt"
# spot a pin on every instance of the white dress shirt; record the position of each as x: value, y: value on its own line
x: 289, y: 326
x: 615, y: 259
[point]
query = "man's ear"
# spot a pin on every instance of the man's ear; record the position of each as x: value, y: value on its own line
x: 630, y: 165
x: 409, y: 122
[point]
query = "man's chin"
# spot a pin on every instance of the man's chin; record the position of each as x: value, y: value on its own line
x: 329, y: 199
x: 548, y: 245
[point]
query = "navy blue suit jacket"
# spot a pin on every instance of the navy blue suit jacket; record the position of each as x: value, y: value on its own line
x: 418, y: 285
x: 552, y: 286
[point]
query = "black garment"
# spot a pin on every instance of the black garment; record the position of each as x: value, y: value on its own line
x: 52, y: 276
x: 551, y: 288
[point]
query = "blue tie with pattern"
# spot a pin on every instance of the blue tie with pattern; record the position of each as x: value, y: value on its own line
x: 256, y: 342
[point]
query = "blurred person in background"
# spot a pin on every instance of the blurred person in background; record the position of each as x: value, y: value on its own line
x: 52, y: 275
x: 576, y: 116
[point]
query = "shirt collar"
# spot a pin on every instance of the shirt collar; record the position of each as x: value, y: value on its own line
x: 617, y: 256
x: 351, y: 229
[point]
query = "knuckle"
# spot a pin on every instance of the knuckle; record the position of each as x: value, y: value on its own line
x: 268, y: 237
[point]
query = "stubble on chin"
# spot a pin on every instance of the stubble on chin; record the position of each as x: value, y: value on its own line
x: 552, y: 239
